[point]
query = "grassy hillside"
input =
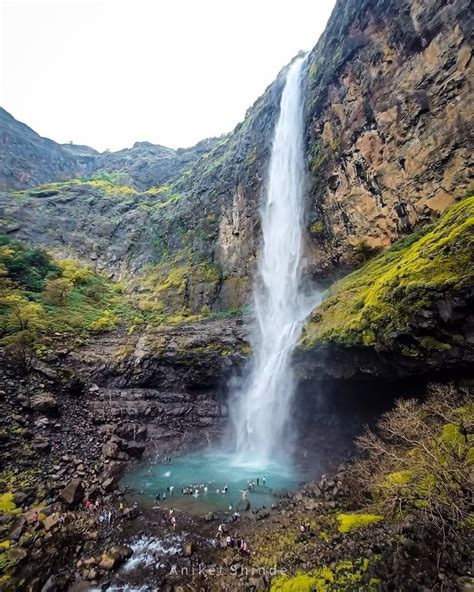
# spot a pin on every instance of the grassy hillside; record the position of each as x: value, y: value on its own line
x: 43, y: 300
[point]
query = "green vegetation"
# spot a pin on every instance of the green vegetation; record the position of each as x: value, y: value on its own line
x: 420, y: 461
x: 108, y: 184
x: 345, y: 576
x: 382, y: 297
x: 165, y: 297
x: 348, y: 522
x: 313, y: 71
x: 318, y: 157
x: 43, y: 300
x: 316, y: 228
x: 6, y: 502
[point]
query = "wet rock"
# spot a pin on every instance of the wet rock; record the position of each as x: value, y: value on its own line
x: 73, y: 493
x: 114, y: 557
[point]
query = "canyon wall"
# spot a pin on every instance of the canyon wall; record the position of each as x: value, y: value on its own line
x: 387, y: 139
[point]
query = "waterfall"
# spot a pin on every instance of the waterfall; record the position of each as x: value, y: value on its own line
x: 261, y: 409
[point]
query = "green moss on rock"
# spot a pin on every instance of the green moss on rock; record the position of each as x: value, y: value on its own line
x: 381, y: 298
x: 344, y: 576
x: 348, y: 522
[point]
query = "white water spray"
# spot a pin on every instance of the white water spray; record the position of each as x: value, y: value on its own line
x: 261, y: 410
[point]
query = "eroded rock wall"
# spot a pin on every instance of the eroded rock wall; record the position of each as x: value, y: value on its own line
x: 389, y: 123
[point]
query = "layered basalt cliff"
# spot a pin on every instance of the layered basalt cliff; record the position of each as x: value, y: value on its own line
x: 387, y: 137
x: 388, y: 124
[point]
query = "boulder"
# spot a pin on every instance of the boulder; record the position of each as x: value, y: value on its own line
x: 110, y: 450
x: 20, y: 497
x: 41, y: 444
x: 107, y: 562
x: 45, y: 402
x: 17, y: 554
x: 17, y: 529
x: 73, y: 493
x: 51, y: 521
x: 243, y: 505
x: 109, y: 484
x: 466, y: 584
x: 114, y: 557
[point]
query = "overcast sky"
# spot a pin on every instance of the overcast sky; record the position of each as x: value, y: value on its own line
x: 110, y: 72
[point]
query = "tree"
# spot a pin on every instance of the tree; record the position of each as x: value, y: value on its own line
x: 71, y: 271
x: 22, y: 314
x: 57, y: 290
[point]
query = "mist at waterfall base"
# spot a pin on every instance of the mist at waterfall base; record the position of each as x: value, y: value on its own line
x: 260, y: 409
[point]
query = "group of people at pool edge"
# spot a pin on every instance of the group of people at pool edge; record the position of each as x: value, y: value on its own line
x: 196, y: 489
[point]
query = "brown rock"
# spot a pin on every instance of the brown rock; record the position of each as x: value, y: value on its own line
x: 73, y: 493
x: 110, y: 450
x: 45, y: 402
x: 51, y: 521
x: 114, y: 557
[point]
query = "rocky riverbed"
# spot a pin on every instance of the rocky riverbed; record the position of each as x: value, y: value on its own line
x: 74, y: 421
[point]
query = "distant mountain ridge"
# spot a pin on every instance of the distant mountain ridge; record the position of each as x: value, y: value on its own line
x: 28, y: 159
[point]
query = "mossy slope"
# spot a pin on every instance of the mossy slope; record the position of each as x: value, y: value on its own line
x: 379, y: 301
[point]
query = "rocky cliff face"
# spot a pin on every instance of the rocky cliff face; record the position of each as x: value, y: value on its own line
x: 387, y: 121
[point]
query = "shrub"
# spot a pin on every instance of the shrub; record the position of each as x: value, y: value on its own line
x: 26, y: 267
x: 419, y: 462
x: 106, y: 322
x: 6, y: 502
x: 316, y: 228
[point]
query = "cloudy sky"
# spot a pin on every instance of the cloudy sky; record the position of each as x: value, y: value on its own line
x: 110, y: 72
